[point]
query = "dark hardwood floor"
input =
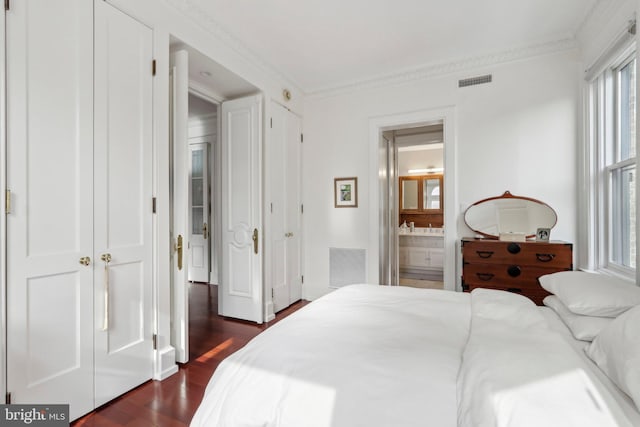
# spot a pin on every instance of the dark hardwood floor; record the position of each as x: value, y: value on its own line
x: 173, y: 402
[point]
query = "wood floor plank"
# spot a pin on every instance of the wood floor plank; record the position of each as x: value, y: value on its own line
x: 172, y: 402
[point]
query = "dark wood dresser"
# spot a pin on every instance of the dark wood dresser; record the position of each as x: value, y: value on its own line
x: 513, y: 266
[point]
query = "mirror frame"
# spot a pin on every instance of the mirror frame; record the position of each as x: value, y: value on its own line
x: 507, y: 195
x: 420, y: 179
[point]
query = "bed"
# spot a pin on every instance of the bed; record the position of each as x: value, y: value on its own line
x: 367, y: 355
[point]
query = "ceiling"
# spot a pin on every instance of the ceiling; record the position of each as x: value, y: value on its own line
x: 209, y: 78
x: 325, y: 44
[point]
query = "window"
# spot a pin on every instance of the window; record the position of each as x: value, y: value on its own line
x: 622, y: 169
x: 613, y: 132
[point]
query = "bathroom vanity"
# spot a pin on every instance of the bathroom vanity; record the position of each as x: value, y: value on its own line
x: 421, y: 252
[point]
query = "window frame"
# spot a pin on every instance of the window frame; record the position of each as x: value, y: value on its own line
x: 603, y: 159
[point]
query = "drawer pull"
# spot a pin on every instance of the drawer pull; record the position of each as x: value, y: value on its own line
x: 484, y: 254
x: 513, y: 248
x: 514, y: 271
x: 514, y: 290
x: 485, y: 277
x: 545, y: 257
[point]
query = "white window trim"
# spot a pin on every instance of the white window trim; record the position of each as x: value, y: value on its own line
x: 595, y: 174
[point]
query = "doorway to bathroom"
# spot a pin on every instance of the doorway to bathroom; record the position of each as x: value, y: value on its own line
x: 416, y: 156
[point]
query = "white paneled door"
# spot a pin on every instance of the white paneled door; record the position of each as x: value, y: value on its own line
x: 50, y: 226
x: 79, y: 170
x: 240, y: 292
x: 285, y: 207
x: 180, y: 202
x: 123, y: 203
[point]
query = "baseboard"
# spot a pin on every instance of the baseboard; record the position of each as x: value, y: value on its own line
x: 166, y: 363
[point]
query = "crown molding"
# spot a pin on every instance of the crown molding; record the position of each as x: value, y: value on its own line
x: 445, y: 68
x: 203, y: 20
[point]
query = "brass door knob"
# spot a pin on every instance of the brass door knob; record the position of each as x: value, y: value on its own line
x: 85, y: 260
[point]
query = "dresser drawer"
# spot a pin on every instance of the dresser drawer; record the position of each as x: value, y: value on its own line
x: 545, y: 255
x: 532, y: 291
x: 504, y: 273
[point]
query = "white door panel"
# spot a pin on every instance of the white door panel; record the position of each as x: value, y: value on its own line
x: 123, y: 194
x: 49, y: 138
x: 278, y: 210
x: 180, y: 201
x: 293, y: 156
x: 240, y: 293
x: 285, y: 212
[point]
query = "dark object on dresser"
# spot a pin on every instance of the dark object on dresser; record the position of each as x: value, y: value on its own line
x: 513, y: 266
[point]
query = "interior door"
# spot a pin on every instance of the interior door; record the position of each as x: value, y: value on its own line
x: 293, y: 190
x: 50, y: 225
x: 123, y: 203
x: 278, y: 234
x: 240, y: 294
x: 180, y: 202
x: 285, y: 207
x: 200, y: 229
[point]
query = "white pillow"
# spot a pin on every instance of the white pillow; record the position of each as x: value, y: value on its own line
x: 616, y: 350
x: 584, y: 328
x: 592, y: 294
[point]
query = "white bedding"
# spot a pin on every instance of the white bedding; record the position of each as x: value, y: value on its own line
x: 623, y: 401
x: 370, y: 356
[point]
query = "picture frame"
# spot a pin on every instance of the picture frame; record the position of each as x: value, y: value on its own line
x: 345, y: 191
x: 542, y: 234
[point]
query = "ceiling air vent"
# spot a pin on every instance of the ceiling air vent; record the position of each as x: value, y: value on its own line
x: 474, y: 81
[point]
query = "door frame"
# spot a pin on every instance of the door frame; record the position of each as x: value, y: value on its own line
x: 378, y: 229
x: 3, y: 208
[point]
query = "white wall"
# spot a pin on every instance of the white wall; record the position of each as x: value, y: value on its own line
x: 518, y: 133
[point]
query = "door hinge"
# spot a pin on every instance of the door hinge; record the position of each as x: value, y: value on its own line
x: 301, y: 209
x: 153, y: 67
x: 7, y: 398
x: 155, y: 341
x: 7, y: 201
x: 271, y: 123
x: 301, y: 137
x: 303, y: 279
x: 271, y: 207
x: 153, y: 204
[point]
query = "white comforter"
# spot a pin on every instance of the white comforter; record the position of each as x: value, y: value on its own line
x: 371, y: 356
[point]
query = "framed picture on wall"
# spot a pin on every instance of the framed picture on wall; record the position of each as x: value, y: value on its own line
x: 346, y: 192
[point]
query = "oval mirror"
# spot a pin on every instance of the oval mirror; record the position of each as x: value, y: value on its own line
x: 509, y: 214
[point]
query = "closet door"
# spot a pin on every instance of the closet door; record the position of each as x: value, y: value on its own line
x: 285, y: 207
x: 50, y: 226
x: 293, y: 191
x: 123, y: 203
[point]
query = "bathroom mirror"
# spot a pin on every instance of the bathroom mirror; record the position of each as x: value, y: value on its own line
x: 431, y: 196
x: 509, y: 214
x: 421, y: 194
x: 409, y: 195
